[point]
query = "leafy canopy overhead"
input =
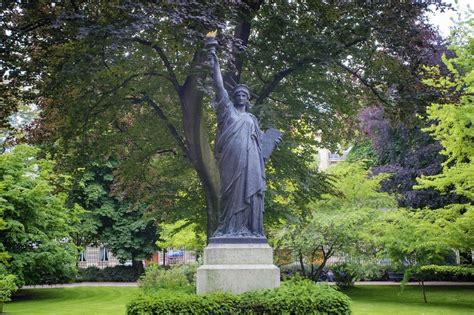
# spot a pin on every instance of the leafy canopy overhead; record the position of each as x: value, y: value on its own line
x: 131, y: 78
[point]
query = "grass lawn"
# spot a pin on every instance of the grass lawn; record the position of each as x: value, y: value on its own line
x: 71, y: 301
x: 387, y: 300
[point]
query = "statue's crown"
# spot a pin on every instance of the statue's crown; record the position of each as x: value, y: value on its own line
x: 241, y: 87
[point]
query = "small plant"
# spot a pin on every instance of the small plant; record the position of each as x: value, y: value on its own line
x: 157, y: 278
x: 7, y: 288
x: 346, y: 274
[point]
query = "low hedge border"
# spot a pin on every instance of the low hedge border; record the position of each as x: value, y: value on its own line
x: 109, y: 274
x: 293, y: 297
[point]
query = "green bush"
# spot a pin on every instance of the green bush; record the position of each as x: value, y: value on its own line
x: 7, y: 288
x: 346, y: 274
x: 158, y: 278
x: 446, y: 273
x: 109, y: 274
x: 293, y: 297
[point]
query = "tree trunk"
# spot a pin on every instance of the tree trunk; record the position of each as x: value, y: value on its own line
x: 197, y: 143
x: 422, y: 284
x: 303, y: 270
x: 319, y: 270
x: 137, y: 265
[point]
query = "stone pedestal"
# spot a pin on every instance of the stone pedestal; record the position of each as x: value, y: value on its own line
x: 237, y: 268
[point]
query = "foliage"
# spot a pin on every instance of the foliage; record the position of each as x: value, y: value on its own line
x: 109, y: 219
x: 412, y: 239
x: 293, y: 297
x: 460, y: 271
x: 346, y: 274
x: 130, y: 78
x: 181, y: 235
x: 337, y: 224
x: 7, y: 287
x: 453, y: 118
x: 406, y: 153
x: 36, y: 227
x: 109, y: 274
x: 158, y: 278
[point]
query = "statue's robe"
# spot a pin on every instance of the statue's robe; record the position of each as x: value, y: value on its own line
x: 238, y: 152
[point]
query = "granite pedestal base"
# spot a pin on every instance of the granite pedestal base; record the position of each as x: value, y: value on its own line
x: 237, y: 268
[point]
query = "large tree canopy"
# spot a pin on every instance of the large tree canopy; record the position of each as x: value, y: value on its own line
x: 35, y: 227
x: 131, y: 78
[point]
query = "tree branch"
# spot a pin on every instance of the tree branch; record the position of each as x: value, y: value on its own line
x: 279, y: 76
x: 172, y: 76
x: 172, y: 129
x: 363, y: 81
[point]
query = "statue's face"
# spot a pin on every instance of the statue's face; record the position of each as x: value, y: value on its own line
x: 241, y: 98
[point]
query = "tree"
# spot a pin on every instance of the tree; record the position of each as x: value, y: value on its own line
x: 412, y: 239
x: 131, y: 77
x: 109, y: 219
x: 182, y: 235
x: 406, y: 152
x: 452, y: 120
x: 36, y: 227
x: 338, y: 225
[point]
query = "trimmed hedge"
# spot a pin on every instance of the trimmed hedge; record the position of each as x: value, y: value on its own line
x: 447, y: 273
x: 293, y: 297
x: 109, y: 274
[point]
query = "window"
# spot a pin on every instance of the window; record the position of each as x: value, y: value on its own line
x: 82, y: 256
x: 103, y: 254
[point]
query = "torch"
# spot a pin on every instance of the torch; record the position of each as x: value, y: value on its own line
x: 211, y: 42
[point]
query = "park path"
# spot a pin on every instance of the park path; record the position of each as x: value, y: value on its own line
x: 134, y: 284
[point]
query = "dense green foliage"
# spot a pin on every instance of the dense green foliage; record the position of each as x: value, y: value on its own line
x: 131, y: 79
x: 453, y: 116
x: 7, y: 288
x: 458, y: 271
x: 337, y: 224
x: 109, y: 274
x: 109, y: 219
x: 36, y: 227
x: 293, y: 297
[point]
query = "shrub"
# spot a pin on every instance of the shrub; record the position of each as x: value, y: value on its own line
x: 189, y: 270
x: 7, y: 288
x: 446, y: 273
x: 109, y: 274
x: 346, y: 274
x: 158, y: 278
x: 293, y: 297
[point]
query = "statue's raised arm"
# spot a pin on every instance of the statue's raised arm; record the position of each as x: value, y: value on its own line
x: 211, y: 44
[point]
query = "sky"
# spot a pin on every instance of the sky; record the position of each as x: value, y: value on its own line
x: 444, y: 19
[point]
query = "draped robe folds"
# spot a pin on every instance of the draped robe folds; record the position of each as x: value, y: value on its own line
x: 238, y: 152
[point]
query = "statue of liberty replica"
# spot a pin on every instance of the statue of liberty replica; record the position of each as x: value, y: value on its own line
x: 238, y: 258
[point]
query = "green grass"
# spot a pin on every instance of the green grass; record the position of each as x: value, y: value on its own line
x: 385, y: 300
x: 388, y: 300
x: 72, y: 301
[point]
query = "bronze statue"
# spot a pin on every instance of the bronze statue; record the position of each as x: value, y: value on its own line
x: 241, y: 151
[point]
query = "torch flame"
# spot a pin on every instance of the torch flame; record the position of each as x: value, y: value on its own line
x: 211, y: 34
